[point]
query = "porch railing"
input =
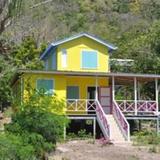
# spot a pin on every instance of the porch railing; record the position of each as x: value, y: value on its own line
x: 102, y: 120
x: 121, y: 121
x: 90, y: 106
x: 81, y: 105
x: 140, y: 106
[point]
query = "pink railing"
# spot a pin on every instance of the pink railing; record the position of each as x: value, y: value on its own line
x: 103, y: 122
x: 121, y: 121
x: 130, y: 106
x: 81, y: 105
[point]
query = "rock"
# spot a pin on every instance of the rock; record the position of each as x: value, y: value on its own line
x: 62, y: 149
x: 1, y: 115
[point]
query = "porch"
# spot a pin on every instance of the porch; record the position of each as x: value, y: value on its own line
x: 106, y: 97
x: 128, y: 107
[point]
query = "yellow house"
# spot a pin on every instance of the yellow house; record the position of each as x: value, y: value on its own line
x: 77, y: 70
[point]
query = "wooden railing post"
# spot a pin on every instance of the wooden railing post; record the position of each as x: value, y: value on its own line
x: 113, y: 88
x: 135, y: 94
x: 156, y: 93
x: 76, y: 106
x: 86, y: 105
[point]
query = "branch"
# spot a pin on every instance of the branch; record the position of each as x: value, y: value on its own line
x: 41, y: 3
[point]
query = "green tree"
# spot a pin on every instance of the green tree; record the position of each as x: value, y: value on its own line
x: 26, y: 55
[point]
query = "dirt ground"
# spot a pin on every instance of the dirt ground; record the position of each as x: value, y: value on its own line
x: 87, y: 150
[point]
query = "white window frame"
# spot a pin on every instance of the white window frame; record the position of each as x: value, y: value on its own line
x: 64, y: 58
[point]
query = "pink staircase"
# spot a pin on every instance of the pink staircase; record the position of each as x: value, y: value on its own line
x: 114, y: 126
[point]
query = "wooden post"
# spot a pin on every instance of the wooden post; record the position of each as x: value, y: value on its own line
x: 135, y: 94
x: 158, y: 124
x: 156, y: 93
x: 94, y: 128
x: 64, y: 132
x: 113, y: 88
x: 139, y: 92
x: 96, y: 88
x: 21, y: 84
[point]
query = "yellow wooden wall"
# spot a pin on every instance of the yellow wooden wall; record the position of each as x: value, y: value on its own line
x: 61, y: 82
x: 84, y: 82
x: 74, y: 49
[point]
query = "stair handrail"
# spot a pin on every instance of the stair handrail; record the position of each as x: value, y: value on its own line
x: 121, y: 121
x: 103, y: 118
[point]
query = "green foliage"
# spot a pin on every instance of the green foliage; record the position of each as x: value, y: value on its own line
x: 6, y: 72
x: 82, y: 134
x: 13, y: 147
x: 36, y: 124
x: 49, y: 125
x: 26, y: 55
x: 147, y: 137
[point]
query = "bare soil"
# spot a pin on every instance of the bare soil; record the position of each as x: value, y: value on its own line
x: 87, y: 150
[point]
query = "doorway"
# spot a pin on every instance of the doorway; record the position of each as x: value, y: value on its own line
x: 105, y: 99
x: 91, y: 95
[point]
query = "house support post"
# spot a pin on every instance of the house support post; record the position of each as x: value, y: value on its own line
x: 138, y: 91
x: 113, y: 88
x: 96, y: 88
x: 21, y: 83
x: 94, y: 128
x: 158, y: 125
x: 156, y: 93
x: 135, y: 94
x: 64, y: 132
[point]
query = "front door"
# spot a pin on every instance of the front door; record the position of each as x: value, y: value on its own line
x: 91, y: 95
x: 105, y: 99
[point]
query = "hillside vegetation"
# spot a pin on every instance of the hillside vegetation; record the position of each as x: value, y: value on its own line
x: 132, y: 25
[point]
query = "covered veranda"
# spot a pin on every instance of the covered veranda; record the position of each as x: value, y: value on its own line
x: 135, y: 105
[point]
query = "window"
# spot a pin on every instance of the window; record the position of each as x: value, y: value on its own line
x: 72, y: 92
x: 45, y: 85
x: 89, y: 60
x: 64, y: 58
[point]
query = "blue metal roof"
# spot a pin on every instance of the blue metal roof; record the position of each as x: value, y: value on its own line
x: 93, y: 37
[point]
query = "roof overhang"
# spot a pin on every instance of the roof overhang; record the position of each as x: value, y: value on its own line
x: 93, y: 37
x: 129, y: 76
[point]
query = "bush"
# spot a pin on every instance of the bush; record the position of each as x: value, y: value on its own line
x: 13, y: 147
x: 147, y: 137
x: 36, y: 125
x: 49, y: 125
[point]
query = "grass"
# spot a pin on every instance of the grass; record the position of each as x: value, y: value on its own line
x: 148, y: 138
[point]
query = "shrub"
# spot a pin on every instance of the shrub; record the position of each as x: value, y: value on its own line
x: 147, y: 137
x: 36, y: 124
x: 49, y: 125
x: 13, y: 147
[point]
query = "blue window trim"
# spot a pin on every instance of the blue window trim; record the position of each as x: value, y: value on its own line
x: 92, y: 68
x: 53, y: 85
